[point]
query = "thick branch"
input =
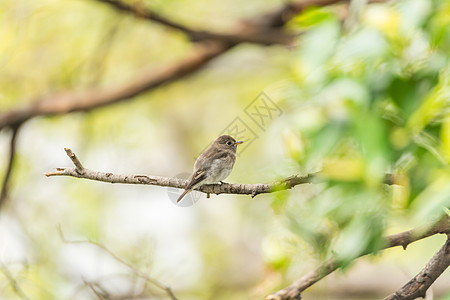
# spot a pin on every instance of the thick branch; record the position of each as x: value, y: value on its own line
x: 401, y: 239
x: 71, y: 101
x: 418, y: 286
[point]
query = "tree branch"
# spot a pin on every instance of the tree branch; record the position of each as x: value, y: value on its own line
x: 225, y: 188
x: 12, y: 154
x: 92, y: 288
x: 401, y: 239
x: 418, y: 286
x: 255, y: 34
x: 279, y: 17
x: 282, y: 15
x: 72, y: 101
x: 264, y: 29
x: 89, y: 99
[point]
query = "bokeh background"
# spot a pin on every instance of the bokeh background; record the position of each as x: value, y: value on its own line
x: 363, y: 91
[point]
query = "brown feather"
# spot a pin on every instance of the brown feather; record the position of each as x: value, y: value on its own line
x: 183, y: 194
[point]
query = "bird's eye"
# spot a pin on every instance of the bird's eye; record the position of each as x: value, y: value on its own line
x: 229, y: 143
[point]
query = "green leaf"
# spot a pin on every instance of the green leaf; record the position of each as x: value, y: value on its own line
x: 312, y: 16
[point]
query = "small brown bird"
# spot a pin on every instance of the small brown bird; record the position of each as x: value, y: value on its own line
x: 214, y: 164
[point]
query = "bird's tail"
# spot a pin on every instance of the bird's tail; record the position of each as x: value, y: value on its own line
x: 184, y: 194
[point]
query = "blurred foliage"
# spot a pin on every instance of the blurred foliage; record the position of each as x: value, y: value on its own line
x: 359, y: 100
x: 376, y: 99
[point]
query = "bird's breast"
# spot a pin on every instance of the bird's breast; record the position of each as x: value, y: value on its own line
x: 219, y: 170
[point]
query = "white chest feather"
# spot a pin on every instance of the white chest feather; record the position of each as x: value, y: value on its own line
x: 220, y: 169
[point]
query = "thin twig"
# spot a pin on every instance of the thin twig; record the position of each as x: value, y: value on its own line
x: 96, y: 293
x: 258, y: 35
x: 13, y: 282
x: 401, y: 239
x: 78, y: 166
x: 155, y: 282
x: 12, y: 153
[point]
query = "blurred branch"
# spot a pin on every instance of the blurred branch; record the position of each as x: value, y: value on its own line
x: 142, y: 275
x: 92, y: 98
x: 78, y: 166
x: 93, y: 289
x: 284, y: 14
x: 400, y: 239
x: 13, y: 282
x: 70, y: 101
x: 97, y: 66
x: 225, y: 188
x: 264, y: 29
x: 101, y: 292
x: 12, y: 154
x: 254, y: 34
x: 418, y: 286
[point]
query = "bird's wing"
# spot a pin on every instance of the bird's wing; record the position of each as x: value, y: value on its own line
x: 205, y: 160
x: 196, y: 178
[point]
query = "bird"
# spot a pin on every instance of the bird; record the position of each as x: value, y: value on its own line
x: 214, y: 164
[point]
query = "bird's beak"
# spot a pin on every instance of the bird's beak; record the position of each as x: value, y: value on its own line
x: 238, y: 143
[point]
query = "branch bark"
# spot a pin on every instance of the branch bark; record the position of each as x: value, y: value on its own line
x: 284, y: 14
x: 418, y: 286
x: 401, y: 239
x: 225, y: 188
